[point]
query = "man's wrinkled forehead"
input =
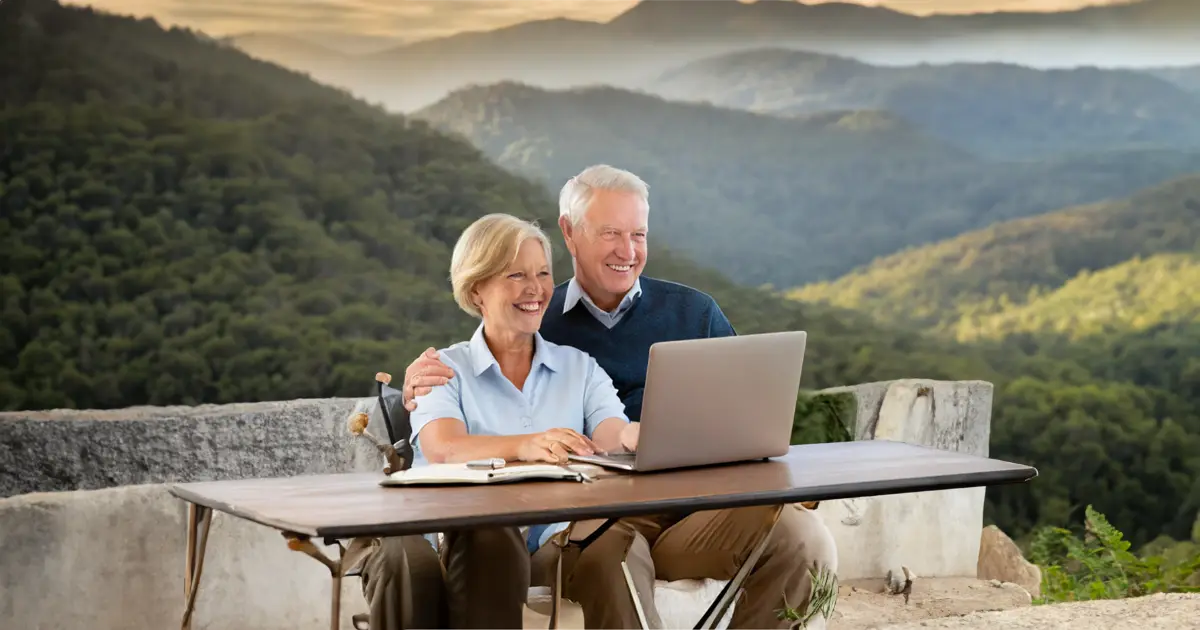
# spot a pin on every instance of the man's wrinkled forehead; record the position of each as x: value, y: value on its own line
x: 616, y: 210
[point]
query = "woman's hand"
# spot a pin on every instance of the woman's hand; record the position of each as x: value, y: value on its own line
x: 554, y: 446
x: 629, y: 436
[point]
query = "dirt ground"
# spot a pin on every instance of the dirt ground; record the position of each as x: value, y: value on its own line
x: 1153, y: 612
x: 862, y: 604
x: 970, y: 604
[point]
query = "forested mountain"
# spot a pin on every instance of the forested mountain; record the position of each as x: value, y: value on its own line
x: 1010, y: 264
x: 783, y: 201
x: 1136, y: 296
x: 183, y: 224
x: 1110, y: 288
x: 996, y: 110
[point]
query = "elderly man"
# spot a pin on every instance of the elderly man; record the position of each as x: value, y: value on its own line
x: 612, y: 312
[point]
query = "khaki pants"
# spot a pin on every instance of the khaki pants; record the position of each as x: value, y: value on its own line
x: 406, y: 587
x: 700, y: 545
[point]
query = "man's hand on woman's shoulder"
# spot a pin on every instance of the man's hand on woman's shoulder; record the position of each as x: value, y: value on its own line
x: 423, y: 375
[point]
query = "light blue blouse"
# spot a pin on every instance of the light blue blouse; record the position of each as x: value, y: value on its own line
x: 565, y: 388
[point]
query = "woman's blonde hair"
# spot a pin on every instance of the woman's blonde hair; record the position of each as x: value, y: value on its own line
x: 486, y: 248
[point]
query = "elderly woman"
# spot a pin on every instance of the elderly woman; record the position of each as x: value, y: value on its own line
x: 513, y: 395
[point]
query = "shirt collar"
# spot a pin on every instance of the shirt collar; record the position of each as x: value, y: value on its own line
x: 575, y: 294
x: 482, y: 357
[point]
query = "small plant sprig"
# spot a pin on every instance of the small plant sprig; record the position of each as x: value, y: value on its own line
x: 822, y: 599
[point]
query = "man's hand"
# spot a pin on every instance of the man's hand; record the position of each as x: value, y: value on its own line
x: 423, y: 375
x: 554, y: 445
x: 629, y: 436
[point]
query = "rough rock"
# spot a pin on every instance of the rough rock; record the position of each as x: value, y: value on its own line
x: 46, y: 451
x: 935, y: 533
x: 1001, y: 559
x: 114, y: 558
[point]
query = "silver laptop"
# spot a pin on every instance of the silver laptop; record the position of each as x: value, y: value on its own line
x: 715, y: 401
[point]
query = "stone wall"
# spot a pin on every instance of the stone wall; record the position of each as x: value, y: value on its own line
x: 51, y: 451
x: 113, y: 559
x: 936, y: 534
x: 91, y: 538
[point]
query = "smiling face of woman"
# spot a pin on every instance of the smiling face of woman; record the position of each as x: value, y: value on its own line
x: 514, y: 301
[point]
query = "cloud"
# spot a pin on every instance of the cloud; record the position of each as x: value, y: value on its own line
x: 419, y: 19
x: 925, y: 7
x: 407, y: 19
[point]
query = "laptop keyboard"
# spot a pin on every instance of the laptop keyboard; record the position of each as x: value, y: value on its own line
x: 621, y: 457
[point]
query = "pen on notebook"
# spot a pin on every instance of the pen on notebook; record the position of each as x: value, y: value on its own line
x: 487, y: 464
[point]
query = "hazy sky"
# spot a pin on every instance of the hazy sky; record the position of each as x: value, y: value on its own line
x: 418, y: 19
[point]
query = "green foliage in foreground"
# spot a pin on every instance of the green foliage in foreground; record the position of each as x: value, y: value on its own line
x: 1100, y: 565
x: 822, y: 599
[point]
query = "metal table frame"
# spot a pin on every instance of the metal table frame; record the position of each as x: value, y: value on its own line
x: 200, y: 523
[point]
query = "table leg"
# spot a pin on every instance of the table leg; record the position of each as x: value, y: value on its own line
x: 637, y: 602
x: 561, y: 541
x: 347, y: 558
x: 199, y: 523
x: 717, y: 609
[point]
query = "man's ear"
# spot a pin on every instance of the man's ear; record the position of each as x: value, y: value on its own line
x: 568, y: 232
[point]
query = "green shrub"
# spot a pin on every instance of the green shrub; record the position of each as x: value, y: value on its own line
x: 1101, y: 566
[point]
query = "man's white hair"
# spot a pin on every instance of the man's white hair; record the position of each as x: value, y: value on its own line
x: 578, y: 191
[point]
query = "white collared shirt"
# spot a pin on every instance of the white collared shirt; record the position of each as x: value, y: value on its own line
x: 575, y: 294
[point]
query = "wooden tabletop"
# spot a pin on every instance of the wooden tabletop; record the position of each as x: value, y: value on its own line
x: 354, y: 504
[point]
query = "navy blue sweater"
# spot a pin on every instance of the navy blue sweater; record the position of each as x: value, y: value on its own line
x: 665, y: 311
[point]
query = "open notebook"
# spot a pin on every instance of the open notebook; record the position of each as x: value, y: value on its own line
x: 450, y: 474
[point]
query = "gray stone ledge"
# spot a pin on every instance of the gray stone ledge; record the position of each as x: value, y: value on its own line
x: 60, y: 450
x: 65, y: 449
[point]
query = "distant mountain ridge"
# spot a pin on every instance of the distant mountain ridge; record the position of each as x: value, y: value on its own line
x: 994, y: 109
x: 777, y: 200
x: 733, y: 18
x: 691, y: 18
x: 655, y: 35
x: 1186, y: 77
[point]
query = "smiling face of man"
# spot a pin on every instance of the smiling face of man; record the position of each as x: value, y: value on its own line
x: 609, y: 245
